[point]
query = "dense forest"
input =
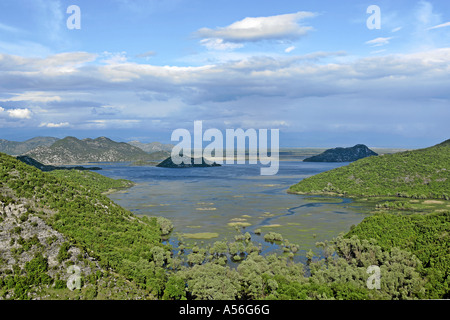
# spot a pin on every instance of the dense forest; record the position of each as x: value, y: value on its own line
x: 92, y: 180
x: 122, y: 256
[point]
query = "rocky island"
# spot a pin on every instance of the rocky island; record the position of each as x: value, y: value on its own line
x: 357, y: 152
x: 188, y: 162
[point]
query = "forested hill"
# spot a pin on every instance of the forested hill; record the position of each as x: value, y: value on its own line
x: 422, y: 173
x: 51, y: 220
x: 71, y: 150
x: 357, y: 152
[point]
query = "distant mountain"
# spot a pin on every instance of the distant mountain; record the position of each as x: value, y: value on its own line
x: 71, y: 150
x: 158, y: 155
x: 16, y: 148
x: 168, y: 163
x: 343, y: 154
x: 152, y: 147
x: 422, y: 173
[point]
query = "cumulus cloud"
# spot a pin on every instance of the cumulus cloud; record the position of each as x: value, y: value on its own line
x: 19, y: 113
x: 252, y: 29
x: 296, y: 91
x: 219, y: 44
x: 292, y: 76
x: 54, y: 64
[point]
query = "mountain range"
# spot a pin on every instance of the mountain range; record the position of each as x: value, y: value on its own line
x: 54, y: 151
x: 152, y: 146
x: 16, y: 148
x: 71, y: 150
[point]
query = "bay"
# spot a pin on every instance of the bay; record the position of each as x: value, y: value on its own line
x: 218, y: 203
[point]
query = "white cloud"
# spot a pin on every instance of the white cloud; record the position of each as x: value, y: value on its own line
x: 443, y: 25
x: 379, y: 41
x: 255, y: 88
x: 54, y: 125
x: 396, y: 29
x: 291, y: 48
x: 19, y: 113
x: 114, y: 57
x: 279, y: 27
x: 110, y: 123
x: 33, y: 97
x: 219, y: 44
x: 53, y: 65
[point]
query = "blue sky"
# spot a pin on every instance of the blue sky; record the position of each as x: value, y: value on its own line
x: 139, y: 69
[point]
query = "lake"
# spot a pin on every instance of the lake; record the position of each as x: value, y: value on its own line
x: 212, y: 201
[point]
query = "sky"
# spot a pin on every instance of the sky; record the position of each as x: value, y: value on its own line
x: 323, y: 73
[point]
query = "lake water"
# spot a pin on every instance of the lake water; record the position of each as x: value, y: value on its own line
x: 208, y: 200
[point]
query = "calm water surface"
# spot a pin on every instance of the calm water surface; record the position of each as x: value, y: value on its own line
x: 207, y: 200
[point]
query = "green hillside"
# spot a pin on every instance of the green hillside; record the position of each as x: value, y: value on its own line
x: 423, y: 174
x: 92, y: 224
x: 424, y: 235
x: 92, y: 180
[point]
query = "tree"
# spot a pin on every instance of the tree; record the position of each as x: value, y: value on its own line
x: 175, y: 289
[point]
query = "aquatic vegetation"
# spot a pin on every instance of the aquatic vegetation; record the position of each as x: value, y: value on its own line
x: 201, y: 235
x: 239, y: 224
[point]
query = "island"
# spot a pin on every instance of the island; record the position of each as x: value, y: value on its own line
x: 354, y: 153
x: 188, y: 162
